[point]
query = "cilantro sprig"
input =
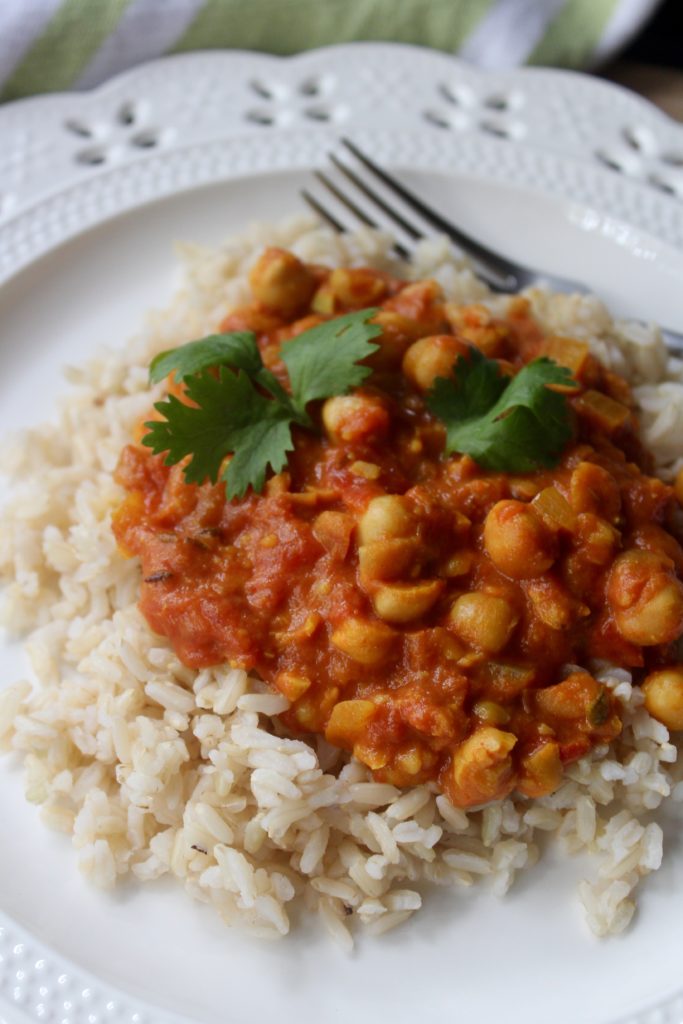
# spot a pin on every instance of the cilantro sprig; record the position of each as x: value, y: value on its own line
x: 237, y: 407
x: 236, y: 350
x: 233, y: 406
x: 510, y: 425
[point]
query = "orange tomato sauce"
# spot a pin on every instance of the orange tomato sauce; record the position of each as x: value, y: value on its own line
x: 415, y: 609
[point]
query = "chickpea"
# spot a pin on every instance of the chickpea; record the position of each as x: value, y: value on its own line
x: 482, y: 768
x: 432, y: 357
x: 324, y: 301
x: 387, y: 559
x: 484, y: 621
x: 646, y: 598
x: 281, y: 282
x: 386, y: 516
x: 352, y: 418
x: 517, y: 542
x: 651, y: 537
x: 593, y: 489
x: 596, y: 538
x: 479, y: 327
x: 541, y: 771
x: 398, y: 333
x: 490, y: 713
x: 459, y: 563
x: 403, y: 602
x: 357, y: 287
x: 367, y: 642
x: 664, y: 696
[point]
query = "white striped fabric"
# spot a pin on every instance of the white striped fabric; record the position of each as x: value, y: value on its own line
x: 621, y: 28
x: 508, y: 32
x: 142, y: 34
x: 63, y: 44
x: 21, y: 22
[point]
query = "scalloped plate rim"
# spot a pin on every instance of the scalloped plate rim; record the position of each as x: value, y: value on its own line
x: 133, y: 1005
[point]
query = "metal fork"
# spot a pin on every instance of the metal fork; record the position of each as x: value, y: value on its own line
x: 501, y: 274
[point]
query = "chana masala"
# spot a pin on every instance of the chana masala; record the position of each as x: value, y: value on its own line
x: 437, y: 619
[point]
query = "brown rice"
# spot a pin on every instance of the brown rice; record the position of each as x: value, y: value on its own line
x: 153, y: 768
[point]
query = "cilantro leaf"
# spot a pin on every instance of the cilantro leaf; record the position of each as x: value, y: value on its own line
x: 474, y: 389
x: 237, y: 349
x: 228, y: 413
x: 263, y: 444
x: 508, y: 425
x: 324, y: 360
x: 222, y: 419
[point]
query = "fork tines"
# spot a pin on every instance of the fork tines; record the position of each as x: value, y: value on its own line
x: 357, y: 190
x: 346, y: 198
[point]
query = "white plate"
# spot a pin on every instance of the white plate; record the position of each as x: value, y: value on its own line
x: 83, y: 252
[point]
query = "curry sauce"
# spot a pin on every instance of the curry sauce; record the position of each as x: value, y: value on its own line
x: 440, y: 621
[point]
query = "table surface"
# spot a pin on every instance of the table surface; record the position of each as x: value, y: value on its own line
x: 663, y: 86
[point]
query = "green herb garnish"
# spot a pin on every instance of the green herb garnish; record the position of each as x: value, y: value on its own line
x: 240, y: 408
x: 237, y: 407
x: 510, y: 425
x: 236, y: 350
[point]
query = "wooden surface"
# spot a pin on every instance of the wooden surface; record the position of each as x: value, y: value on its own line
x: 663, y: 86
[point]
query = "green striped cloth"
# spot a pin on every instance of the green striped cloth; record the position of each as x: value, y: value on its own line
x: 48, y: 45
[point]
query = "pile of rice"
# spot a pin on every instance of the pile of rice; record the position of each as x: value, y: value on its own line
x: 153, y: 768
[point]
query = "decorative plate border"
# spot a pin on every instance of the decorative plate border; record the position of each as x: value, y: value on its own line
x: 69, y: 162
